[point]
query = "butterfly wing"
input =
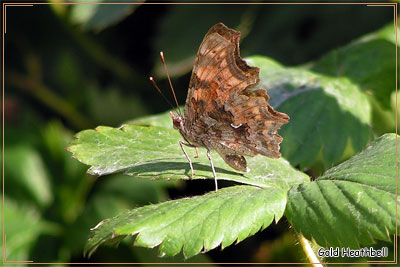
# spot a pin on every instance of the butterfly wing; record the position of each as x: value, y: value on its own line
x: 218, y: 69
x: 221, y: 112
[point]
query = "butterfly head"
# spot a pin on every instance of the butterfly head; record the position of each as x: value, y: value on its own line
x: 178, y: 121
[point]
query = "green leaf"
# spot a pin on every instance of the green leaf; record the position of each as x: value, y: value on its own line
x: 325, y: 113
x: 352, y: 204
x: 26, y: 171
x: 99, y: 16
x: 195, y: 224
x: 112, y: 196
x: 22, y: 226
x: 160, y: 120
x: 369, y: 62
x: 154, y: 152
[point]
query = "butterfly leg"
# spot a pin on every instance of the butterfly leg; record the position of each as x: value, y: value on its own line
x: 187, y: 157
x: 197, y: 152
x: 213, y: 170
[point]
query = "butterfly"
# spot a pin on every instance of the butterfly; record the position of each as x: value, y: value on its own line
x: 221, y: 112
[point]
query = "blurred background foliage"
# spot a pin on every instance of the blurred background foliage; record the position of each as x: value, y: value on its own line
x: 72, y: 67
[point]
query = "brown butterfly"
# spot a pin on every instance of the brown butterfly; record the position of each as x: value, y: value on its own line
x: 221, y: 112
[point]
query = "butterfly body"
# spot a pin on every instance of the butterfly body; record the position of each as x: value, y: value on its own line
x: 221, y: 112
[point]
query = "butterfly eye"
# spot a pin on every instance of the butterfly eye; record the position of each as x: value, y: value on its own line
x: 177, y: 122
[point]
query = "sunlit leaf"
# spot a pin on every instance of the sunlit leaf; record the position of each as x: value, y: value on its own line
x: 154, y: 152
x: 195, y: 224
x: 352, y: 204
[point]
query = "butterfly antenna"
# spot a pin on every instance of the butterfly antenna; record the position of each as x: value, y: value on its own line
x: 161, y: 93
x: 169, y: 80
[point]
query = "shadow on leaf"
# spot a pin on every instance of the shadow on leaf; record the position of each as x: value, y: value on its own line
x: 164, y: 169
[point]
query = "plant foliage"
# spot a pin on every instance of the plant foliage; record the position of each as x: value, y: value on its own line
x: 351, y: 204
x: 87, y: 63
x: 195, y: 224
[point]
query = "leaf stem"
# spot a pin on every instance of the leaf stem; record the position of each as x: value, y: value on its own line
x: 49, y: 98
x: 305, y: 244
